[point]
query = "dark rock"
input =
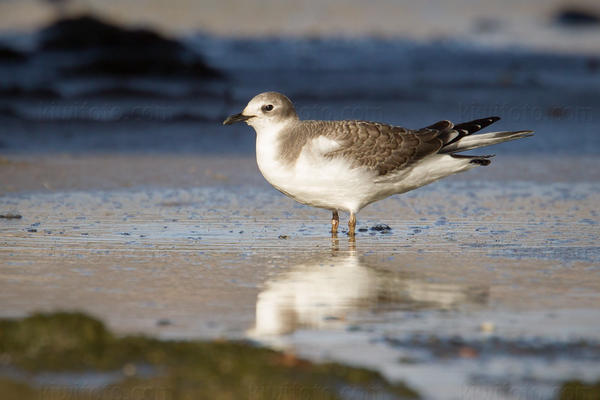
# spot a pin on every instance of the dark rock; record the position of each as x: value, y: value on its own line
x: 86, y: 32
x: 118, y: 51
x: 572, y: 16
x: 11, y: 216
x: 8, y: 54
x: 37, y: 93
x: 381, y: 228
x: 6, y: 111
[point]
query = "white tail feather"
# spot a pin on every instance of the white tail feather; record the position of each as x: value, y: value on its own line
x: 484, y: 139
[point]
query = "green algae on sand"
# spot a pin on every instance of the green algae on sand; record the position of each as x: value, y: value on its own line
x: 577, y: 390
x: 74, y: 343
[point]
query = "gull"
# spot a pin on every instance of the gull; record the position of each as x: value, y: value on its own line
x: 307, y: 295
x: 347, y: 165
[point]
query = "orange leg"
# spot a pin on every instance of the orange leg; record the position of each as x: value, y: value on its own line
x: 351, y: 224
x: 335, y: 222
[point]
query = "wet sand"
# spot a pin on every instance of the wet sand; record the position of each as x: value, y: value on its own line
x: 483, y: 278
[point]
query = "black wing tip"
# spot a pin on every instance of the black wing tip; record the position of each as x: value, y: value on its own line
x: 480, y: 161
x: 486, y: 121
x: 467, y: 128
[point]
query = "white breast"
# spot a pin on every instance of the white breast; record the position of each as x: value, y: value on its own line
x: 314, y: 179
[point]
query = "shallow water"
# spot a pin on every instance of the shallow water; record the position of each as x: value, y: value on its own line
x: 497, y: 283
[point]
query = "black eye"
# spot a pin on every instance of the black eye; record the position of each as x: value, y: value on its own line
x: 267, y: 108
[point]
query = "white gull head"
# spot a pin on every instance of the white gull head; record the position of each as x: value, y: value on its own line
x: 266, y: 111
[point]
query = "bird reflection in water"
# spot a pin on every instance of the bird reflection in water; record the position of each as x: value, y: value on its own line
x: 322, y: 291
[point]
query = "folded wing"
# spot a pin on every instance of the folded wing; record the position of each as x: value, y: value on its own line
x: 387, y: 148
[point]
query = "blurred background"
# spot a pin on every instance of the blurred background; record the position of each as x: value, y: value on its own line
x: 112, y: 77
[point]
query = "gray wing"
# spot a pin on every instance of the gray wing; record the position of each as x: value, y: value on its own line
x: 381, y: 147
x: 387, y: 148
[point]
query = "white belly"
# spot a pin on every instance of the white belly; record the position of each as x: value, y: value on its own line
x: 316, y: 180
x: 334, y: 184
x: 320, y: 182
